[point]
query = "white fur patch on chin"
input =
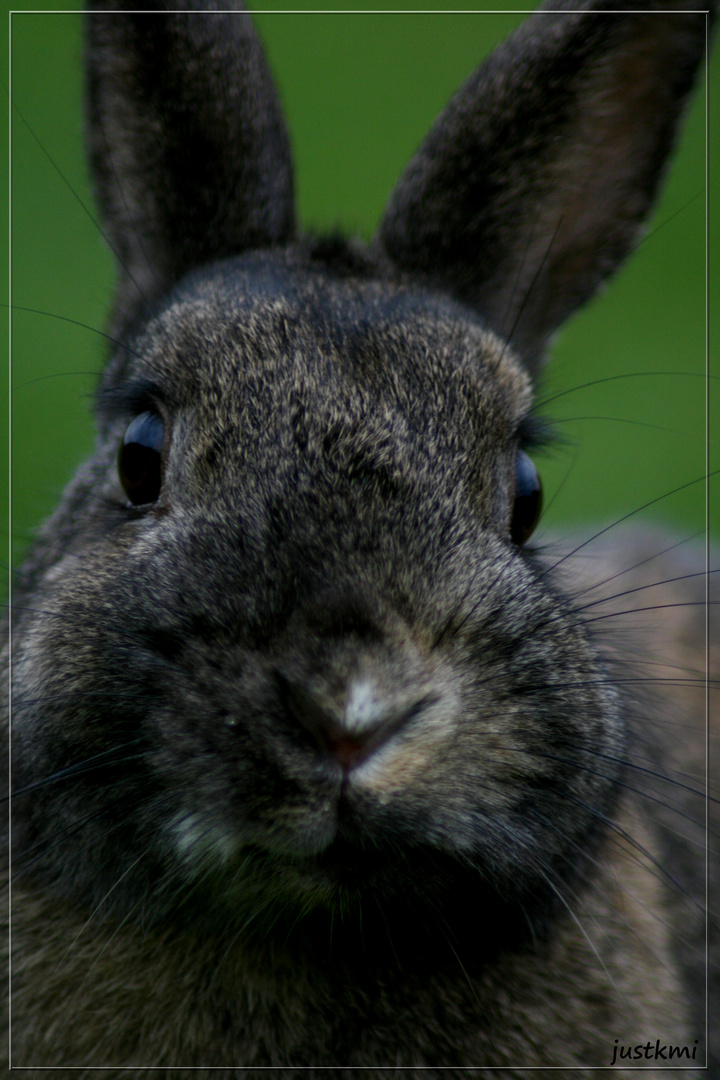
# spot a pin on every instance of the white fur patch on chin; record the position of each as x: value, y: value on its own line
x: 198, y: 841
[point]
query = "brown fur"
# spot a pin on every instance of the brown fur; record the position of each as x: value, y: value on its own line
x: 316, y: 763
x: 610, y: 972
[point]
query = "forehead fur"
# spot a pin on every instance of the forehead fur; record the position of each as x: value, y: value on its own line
x: 257, y: 334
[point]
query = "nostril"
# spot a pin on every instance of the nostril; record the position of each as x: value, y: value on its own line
x: 349, y: 730
x: 305, y: 707
x: 347, y: 750
x: 323, y: 720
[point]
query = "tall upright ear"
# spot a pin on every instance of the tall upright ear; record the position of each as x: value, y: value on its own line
x: 187, y: 144
x: 533, y: 183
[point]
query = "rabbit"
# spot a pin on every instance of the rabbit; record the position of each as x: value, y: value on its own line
x: 319, y: 761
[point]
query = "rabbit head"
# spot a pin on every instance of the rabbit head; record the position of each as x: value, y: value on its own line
x: 283, y: 651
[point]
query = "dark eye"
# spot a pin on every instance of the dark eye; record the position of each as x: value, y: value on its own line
x: 528, y: 499
x: 140, y: 459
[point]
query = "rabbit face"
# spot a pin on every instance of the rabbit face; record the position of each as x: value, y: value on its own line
x: 284, y: 684
x: 314, y: 759
x: 286, y: 677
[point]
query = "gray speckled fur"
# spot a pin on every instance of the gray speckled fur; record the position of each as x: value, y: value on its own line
x: 197, y: 880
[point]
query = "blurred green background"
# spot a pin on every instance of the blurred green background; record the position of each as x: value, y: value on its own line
x: 360, y: 91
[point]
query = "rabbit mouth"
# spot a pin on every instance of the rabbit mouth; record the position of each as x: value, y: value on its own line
x: 355, y: 893
x: 345, y: 860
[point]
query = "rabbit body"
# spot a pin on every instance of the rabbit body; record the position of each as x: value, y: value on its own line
x: 316, y: 763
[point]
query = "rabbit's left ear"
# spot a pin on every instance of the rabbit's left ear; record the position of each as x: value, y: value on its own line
x: 533, y: 183
x: 187, y: 143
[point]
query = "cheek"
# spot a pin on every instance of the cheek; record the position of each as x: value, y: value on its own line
x: 408, y: 764
x: 493, y: 493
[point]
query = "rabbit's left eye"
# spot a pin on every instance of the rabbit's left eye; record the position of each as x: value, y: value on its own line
x: 140, y: 459
x: 528, y: 499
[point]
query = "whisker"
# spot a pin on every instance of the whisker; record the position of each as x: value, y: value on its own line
x: 532, y: 285
x: 604, y: 581
x: 620, y: 420
x: 546, y: 877
x: 73, y: 322
x: 542, y: 403
x: 626, y: 517
x: 88, y: 213
x: 653, y: 607
x: 96, y: 909
x: 106, y: 757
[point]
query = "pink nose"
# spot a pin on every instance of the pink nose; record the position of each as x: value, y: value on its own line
x: 347, y: 734
x: 348, y: 750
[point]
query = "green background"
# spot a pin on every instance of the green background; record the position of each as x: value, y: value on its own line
x: 360, y: 91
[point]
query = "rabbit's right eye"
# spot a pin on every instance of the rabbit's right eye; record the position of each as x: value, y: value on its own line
x: 140, y: 459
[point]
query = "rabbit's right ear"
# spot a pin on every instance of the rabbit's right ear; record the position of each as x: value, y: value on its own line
x: 187, y: 144
x: 533, y: 183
